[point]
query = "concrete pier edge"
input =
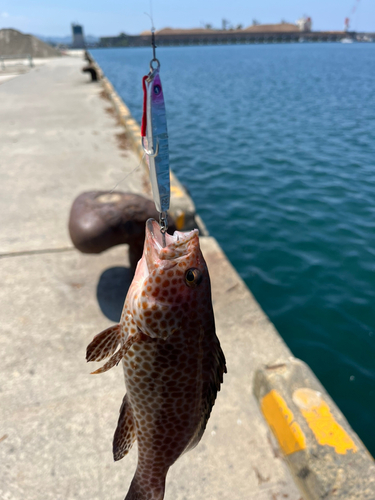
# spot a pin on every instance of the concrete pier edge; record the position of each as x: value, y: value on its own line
x: 324, y: 454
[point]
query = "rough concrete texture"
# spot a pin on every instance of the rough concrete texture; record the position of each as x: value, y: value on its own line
x: 57, y: 420
x: 15, y: 43
x: 334, y: 463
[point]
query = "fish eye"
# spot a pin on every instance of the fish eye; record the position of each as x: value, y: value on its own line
x: 193, y: 277
x: 157, y: 89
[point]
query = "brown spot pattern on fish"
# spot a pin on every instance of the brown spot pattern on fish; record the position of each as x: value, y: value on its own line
x: 173, y: 363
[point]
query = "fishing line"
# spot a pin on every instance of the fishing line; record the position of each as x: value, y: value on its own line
x: 127, y: 175
x: 151, y: 16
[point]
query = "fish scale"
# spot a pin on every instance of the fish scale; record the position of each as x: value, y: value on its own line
x: 172, y: 360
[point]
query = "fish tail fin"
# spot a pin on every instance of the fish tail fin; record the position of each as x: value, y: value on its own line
x: 147, y: 488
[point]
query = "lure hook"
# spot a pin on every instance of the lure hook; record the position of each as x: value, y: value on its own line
x: 163, y: 223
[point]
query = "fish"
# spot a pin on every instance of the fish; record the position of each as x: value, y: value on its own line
x: 172, y: 359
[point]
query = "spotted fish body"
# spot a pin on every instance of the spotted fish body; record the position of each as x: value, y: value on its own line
x: 172, y: 359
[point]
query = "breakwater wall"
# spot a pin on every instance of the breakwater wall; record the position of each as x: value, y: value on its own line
x: 232, y: 37
x: 323, y: 453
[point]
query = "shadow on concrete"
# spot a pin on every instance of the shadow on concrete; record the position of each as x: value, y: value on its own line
x: 111, y: 291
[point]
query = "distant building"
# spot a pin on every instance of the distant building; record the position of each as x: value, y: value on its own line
x: 118, y: 41
x: 304, y: 24
x: 78, y: 38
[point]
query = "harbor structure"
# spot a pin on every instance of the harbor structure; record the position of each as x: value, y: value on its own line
x: 257, y: 33
x: 78, y: 39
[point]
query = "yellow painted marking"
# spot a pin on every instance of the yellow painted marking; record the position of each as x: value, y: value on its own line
x: 321, y: 421
x: 176, y: 191
x: 281, y: 420
x: 180, y: 221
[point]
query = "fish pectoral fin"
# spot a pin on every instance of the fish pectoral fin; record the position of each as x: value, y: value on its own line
x: 125, y: 435
x: 116, y: 358
x: 104, y: 344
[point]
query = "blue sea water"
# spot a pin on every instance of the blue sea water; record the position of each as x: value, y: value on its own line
x: 276, y: 144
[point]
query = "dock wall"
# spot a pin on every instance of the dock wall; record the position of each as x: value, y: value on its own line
x: 324, y: 455
x: 230, y: 37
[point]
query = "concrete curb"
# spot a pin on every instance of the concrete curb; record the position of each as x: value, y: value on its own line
x: 324, y: 454
x: 182, y: 207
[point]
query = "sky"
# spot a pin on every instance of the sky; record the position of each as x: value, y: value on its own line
x: 110, y: 17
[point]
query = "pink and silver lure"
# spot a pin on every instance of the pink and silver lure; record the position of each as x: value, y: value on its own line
x: 154, y: 132
x: 172, y: 359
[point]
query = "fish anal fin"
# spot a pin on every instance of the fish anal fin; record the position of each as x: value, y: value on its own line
x: 104, y: 344
x: 125, y: 435
x: 116, y: 358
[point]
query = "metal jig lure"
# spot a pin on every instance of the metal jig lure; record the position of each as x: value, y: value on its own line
x: 155, y: 139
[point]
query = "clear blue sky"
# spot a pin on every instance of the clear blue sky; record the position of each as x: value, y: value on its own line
x: 110, y: 17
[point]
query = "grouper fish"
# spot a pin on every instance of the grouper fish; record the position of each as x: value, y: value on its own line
x: 172, y: 359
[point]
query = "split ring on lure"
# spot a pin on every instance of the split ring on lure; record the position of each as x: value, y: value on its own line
x: 155, y: 137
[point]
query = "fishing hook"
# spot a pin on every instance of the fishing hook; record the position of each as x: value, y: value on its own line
x: 163, y: 223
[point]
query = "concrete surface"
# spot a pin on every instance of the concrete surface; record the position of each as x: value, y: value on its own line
x: 56, y: 420
x: 10, y: 68
x: 58, y: 138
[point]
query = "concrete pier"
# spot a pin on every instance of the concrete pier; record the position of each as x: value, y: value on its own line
x: 60, y: 137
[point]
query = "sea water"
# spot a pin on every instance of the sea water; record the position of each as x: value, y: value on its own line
x: 276, y: 145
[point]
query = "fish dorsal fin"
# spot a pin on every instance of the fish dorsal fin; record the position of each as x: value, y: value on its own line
x: 104, y: 344
x: 125, y: 432
x: 212, y: 380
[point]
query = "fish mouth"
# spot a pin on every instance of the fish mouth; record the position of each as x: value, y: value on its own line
x: 176, y: 246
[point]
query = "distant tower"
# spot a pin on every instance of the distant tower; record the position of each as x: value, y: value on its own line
x: 77, y: 35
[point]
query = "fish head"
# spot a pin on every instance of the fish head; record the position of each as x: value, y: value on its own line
x: 171, y: 287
